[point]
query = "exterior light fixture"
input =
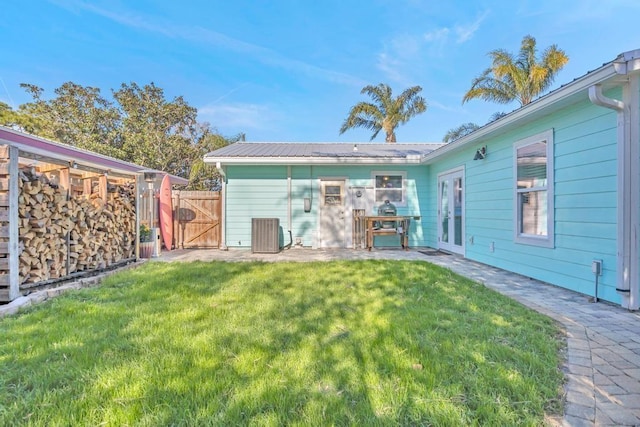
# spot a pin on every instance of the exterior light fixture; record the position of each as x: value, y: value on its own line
x: 481, y: 153
x: 149, y: 176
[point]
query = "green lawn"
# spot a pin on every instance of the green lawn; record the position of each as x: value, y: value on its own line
x: 336, y: 343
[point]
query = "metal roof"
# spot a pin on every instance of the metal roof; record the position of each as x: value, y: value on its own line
x: 292, y: 152
x: 54, y: 150
x: 608, y: 75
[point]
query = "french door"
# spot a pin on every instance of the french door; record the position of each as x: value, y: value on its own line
x: 451, y: 211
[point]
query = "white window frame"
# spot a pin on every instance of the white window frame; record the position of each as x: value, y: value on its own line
x: 530, y: 239
x: 403, y: 174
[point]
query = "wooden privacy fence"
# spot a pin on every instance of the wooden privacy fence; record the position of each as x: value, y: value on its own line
x: 196, y: 219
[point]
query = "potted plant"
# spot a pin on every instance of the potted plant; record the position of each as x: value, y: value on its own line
x: 146, y: 244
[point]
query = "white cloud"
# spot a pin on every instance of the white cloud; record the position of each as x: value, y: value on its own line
x: 462, y: 32
x: 438, y: 35
x: 391, y: 67
x: 466, y: 32
x: 439, y: 106
x: 397, y: 56
x: 238, y: 115
x: 213, y: 38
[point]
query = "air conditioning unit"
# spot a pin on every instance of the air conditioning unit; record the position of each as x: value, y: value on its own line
x: 265, y: 235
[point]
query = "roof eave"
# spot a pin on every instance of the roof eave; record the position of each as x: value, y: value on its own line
x: 600, y: 75
x: 312, y: 161
x: 54, y: 150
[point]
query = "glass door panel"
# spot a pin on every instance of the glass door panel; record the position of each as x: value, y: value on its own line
x: 444, y: 211
x: 451, y: 212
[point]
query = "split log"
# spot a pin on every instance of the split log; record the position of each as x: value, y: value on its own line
x: 84, y: 232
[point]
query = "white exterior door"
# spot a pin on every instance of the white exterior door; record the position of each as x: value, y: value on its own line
x: 332, y: 214
x: 451, y: 212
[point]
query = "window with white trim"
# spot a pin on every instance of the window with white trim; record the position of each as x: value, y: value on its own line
x: 533, y: 172
x: 390, y: 186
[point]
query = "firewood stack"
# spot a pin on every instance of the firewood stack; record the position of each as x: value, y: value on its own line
x: 59, y: 236
x: 102, y: 233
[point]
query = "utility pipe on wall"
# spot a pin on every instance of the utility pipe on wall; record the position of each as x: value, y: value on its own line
x: 289, y: 207
x: 628, y: 187
x: 223, y: 220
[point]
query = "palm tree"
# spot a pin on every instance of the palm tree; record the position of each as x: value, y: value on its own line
x: 460, y: 131
x: 495, y: 116
x: 519, y: 78
x: 386, y: 113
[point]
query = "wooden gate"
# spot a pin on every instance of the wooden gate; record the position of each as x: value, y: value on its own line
x: 196, y: 219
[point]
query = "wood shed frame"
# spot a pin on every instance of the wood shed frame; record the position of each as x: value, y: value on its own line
x: 68, y: 175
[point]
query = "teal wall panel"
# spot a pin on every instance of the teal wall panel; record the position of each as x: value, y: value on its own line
x: 261, y: 191
x: 585, y: 201
x: 253, y: 192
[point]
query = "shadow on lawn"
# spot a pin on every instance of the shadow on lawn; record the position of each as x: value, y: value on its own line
x: 369, y: 342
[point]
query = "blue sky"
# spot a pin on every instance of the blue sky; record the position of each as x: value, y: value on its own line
x: 290, y: 70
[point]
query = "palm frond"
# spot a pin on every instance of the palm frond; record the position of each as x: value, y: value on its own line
x: 522, y: 77
x: 386, y: 112
x: 460, y: 131
x: 490, y: 89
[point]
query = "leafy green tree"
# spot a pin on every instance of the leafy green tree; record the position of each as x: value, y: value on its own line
x: 156, y: 133
x: 19, y: 120
x: 459, y: 132
x: 138, y: 125
x: 78, y: 116
x: 386, y: 112
x: 203, y: 176
x: 521, y: 77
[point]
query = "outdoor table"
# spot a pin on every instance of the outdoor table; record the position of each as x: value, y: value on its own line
x: 401, y: 229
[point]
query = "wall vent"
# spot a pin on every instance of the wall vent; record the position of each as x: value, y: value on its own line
x: 265, y: 235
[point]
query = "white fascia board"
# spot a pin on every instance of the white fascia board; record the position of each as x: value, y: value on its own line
x: 582, y: 84
x: 411, y: 160
x: 48, y: 149
x: 176, y: 180
x: 55, y: 150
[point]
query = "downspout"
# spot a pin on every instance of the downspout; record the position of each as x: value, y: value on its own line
x: 223, y: 211
x: 289, y: 208
x: 634, y: 158
x: 628, y: 185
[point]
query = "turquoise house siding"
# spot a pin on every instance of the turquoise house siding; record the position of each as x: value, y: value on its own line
x: 584, y: 199
x: 262, y: 192
x: 253, y: 192
x: 595, y: 186
x: 303, y: 224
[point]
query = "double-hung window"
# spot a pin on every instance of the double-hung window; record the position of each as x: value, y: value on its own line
x: 533, y: 172
x: 390, y: 186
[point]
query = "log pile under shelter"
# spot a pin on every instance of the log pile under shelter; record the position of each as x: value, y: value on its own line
x: 66, y: 212
x: 61, y: 233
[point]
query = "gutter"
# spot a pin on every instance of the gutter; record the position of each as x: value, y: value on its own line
x: 597, y: 97
x: 253, y: 161
x: 47, y: 149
